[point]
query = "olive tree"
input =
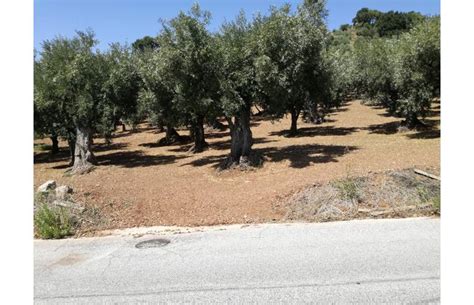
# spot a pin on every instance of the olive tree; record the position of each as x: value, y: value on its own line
x: 400, y: 73
x: 290, y: 66
x: 44, y: 124
x: 121, y: 89
x: 374, y: 70
x: 51, y: 115
x: 238, y: 85
x: 190, y: 68
x: 156, y: 99
x: 418, y: 70
x: 75, y: 75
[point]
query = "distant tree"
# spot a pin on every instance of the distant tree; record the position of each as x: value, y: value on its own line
x: 190, y: 69
x: 400, y: 73
x: 418, y: 70
x: 372, y: 23
x: 156, y: 99
x: 344, y: 27
x: 395, y: 23
x: 366, y: 17
x: 121, y: 88
x: 290, y: 67
x: 145, y: 43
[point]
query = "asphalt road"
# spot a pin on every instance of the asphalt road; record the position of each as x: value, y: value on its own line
x: 369, y: 261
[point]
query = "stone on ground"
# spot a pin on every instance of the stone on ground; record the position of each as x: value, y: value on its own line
x: 47, y: 186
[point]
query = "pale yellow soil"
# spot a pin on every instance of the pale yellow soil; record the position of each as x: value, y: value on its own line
x: 138, y: 183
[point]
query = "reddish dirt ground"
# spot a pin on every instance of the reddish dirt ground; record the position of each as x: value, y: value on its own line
x: 138, y: 183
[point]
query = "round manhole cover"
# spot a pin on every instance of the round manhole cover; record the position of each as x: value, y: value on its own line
x: 153, y: 243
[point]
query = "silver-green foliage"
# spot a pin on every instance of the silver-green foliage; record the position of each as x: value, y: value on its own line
x: 401, y: 73
x: 69, y: 78
x: 291, y: 68
x: 190, y: 62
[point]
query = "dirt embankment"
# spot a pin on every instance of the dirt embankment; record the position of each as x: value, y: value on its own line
x: 139, y: 183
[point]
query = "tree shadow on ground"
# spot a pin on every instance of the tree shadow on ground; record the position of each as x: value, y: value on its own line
x: 326, y: 120
x: 317, y: 131
x: 131, y: 159
x: 300, y: 156
x: 47, y: 157
x: 341, y: 108
x: 428, y: 132
x: 226, y: 144
x: 63, y: 154
x: 183, y: 140
x: 129, y: 132
x: 100, y: 147
x: 217, y: 135
x: 384, y: 128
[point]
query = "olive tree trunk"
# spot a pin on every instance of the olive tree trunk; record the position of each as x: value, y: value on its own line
x: 198, y: 135
x: 294, y: 121
x: 241, y: 139
x: 55, y: 144
x: 84, y: 159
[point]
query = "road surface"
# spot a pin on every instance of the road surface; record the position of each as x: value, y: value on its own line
x: 361, y: 261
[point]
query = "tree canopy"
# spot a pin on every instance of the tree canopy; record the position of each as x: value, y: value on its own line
x: 286, y: 62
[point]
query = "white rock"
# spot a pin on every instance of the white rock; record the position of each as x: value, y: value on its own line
x: 47, y: 186
x: 62, y: 192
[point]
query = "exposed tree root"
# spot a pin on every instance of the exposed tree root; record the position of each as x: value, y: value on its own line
x: 194, y: 149
x: 253, y: 161
x: 80, y: 170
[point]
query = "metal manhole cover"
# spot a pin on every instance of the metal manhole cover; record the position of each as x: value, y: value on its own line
x: 153, y: 243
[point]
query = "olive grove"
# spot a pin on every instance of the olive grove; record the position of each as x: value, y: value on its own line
x: 286, y: 62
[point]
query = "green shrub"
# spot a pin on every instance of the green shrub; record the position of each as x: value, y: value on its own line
x: 348, y: 189
x: 424, y: 194
x: 52, y: 222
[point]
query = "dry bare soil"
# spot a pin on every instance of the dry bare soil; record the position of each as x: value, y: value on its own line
x: 139, y: 183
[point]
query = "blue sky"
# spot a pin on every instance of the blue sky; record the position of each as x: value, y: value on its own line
x: 126, y: 20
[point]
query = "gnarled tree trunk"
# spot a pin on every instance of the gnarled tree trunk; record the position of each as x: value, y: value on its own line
x: 198, y: 133
x: 84, y: 159
x: 412, y: 121
x: 241, y: 139
x: 294, y: 120
x: 241, y: 142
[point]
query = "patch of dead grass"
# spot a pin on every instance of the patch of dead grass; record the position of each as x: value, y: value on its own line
x: 400, y: 193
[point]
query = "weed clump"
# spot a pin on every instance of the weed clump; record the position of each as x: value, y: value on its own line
x: 53, y: 222
x: 348, y: 189
x: 436, y: 202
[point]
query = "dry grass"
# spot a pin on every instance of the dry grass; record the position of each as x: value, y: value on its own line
x: 139, y: 183
x: 400, y: 193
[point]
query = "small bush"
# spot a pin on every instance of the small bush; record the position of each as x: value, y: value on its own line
x: 52, y: 222
x: 348, y: 189
x: 424, y: 194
